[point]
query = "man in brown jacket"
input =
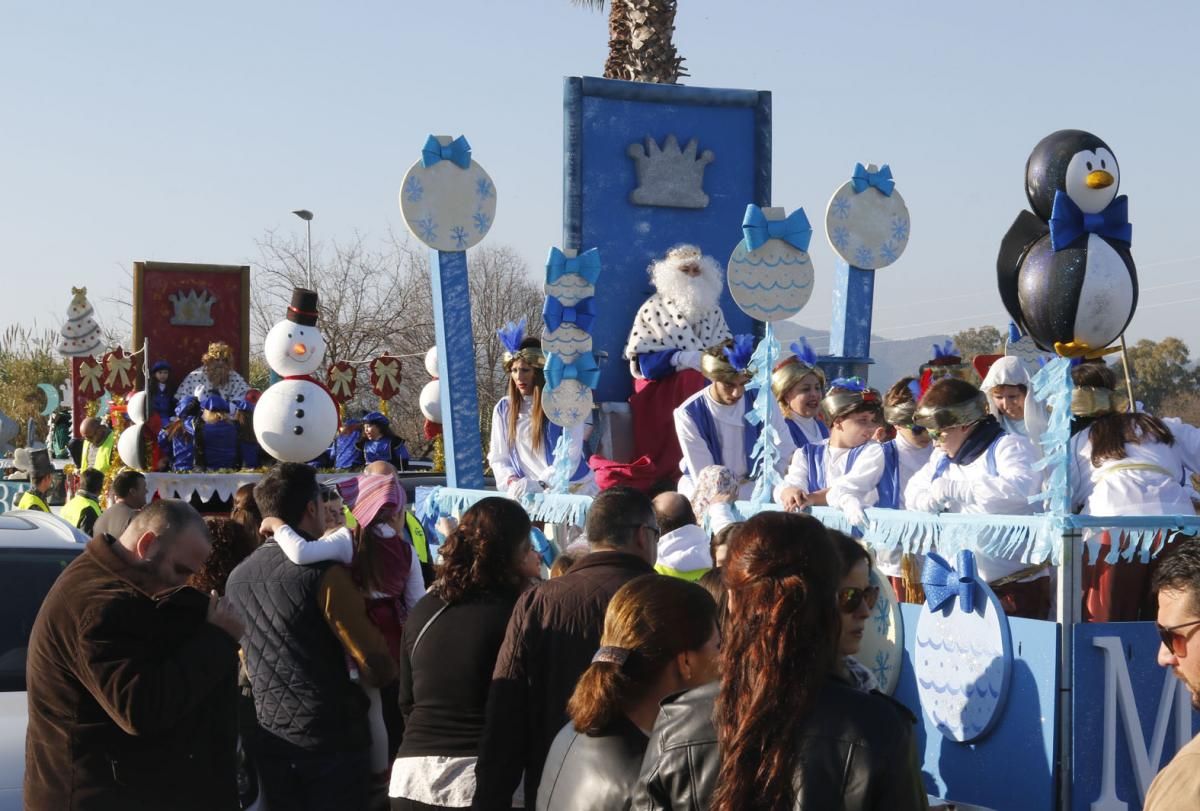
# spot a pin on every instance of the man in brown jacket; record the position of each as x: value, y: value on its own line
x: 552, y: 635
x: 132, y: 676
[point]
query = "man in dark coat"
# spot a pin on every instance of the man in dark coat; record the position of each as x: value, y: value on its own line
x: 132, y: 676
x: 552, y: 635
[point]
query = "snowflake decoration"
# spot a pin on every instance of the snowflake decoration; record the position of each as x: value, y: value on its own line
x: 840, y: 208
x: 427, y: 228
x: 482, y: 221
x: 882, y: 666
x: 864, y: 256
x: 899, y: 228
x: 581, y: 394
x: 556, y: 415
x: 484, y: 188
x: 882, y: 618
x: 841, y: 236
x: 413, y: 189
x: 887, y: 252
x: 459, y: 235
x: 575, y: 415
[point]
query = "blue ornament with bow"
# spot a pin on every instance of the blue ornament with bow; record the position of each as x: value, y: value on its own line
x: 584, y: 369
x: 881, y: 179
x: 804, y: 352
x: 1068, y: 222
x: 581, y: 314
x: 758, y: 230
x: 943, y: 583
x: 586, y: 264
x: 457, y: 152
x: 739, y: 352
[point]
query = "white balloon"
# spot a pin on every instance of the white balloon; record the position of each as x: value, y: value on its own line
x: 431, y: 361
x: 129, y: 447
x: 295, y: 420
x: 294, y: 349
x: 136, y: 408
x: 431, y: 401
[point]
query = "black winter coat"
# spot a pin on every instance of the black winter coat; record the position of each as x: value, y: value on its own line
x: 592, y: 772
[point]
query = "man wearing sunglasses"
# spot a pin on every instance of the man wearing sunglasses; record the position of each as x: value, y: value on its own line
x: 1177, y: 582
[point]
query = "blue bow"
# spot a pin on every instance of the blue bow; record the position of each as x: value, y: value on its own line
x: 457, y: 151
x: 793, y: 230
x: 1068, y: 223
x: 587, y: 265
x: 584, y: 370
x: 881, y: 180
x: 943, y: 583
x: 1014, y: 333
x: 848, y: 384
x: 581, y: 314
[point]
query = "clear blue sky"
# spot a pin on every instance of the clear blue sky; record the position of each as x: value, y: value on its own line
x: 139, y: 130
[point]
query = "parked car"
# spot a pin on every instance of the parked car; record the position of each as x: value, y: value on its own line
x: 34, y: 549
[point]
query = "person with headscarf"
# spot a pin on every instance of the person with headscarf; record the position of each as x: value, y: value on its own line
x: 712, y: 502
x: 1010, y: 397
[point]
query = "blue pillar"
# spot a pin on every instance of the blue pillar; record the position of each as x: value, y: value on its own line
x: 456, y: 369
x: 850, y: 332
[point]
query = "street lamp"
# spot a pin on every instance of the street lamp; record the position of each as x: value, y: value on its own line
x: 307, y: 216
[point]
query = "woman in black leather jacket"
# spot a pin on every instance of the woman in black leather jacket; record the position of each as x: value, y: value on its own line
x: 780, y: 731
x: 660, y: 637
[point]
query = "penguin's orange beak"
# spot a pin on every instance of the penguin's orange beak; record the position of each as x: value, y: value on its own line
x: 1099, y: 179
x: 299, y: 349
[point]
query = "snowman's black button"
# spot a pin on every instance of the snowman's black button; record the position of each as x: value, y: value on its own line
x: 299, y: 413
x: 299, y: 398
x: 298, y: 430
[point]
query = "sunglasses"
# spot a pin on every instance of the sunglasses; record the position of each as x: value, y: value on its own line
x: 851, y: 599
x: 1174, y: 642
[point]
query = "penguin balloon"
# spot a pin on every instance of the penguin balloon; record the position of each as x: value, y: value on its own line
x: 296, y: 419
x: 1065, y: 272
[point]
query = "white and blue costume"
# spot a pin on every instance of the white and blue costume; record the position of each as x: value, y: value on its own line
x: 514, y: 461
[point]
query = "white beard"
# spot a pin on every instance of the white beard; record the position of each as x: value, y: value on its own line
x: 693, y: 297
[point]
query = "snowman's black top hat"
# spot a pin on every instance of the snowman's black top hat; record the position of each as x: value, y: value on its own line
x: 303, y: 309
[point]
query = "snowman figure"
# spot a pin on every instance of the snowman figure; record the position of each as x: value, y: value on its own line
x: 296, y: 419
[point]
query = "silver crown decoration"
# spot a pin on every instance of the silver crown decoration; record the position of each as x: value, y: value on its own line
x: 669, y: 176
x: 192, y: 309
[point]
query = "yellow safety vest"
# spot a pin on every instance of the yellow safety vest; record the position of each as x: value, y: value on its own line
x: 104, y: 452
x: 415, y: 531
x: 691, y: 576
x: 32, y: 501
x: 73, y: 512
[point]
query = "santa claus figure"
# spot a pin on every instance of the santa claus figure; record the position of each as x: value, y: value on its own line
x: 215, y: 376
x: 670, y: 333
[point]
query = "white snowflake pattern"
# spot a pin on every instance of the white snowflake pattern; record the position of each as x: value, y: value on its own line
x: 899, y: 228
x: 413, y: 189
x: 841, y: 236
x: 887, y: 252
x: 459, y: 235
x: 484, y: 188
x: 427, y: 228
x: 864, y: 256
x: 482, y: 221
x: 840, y: 208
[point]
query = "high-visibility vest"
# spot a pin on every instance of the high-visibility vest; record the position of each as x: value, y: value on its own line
x: 415, y: 531
x: 30, y: 500
x: 104, y: 452
x: 73, y: 512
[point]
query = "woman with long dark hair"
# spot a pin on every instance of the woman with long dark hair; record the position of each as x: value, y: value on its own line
x: 448, y: 650
x: 1123, y: 463
x: 780, y: 731
x: 660, y: 637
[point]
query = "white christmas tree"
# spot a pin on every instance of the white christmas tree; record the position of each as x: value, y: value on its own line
x: 80, y: 336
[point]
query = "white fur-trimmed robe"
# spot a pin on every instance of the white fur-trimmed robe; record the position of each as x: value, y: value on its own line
x: 660, y: 326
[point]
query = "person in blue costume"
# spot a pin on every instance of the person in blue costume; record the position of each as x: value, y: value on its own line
x: 177, y: 442
x: 711, y: 425
x: 162, y: 399
x: 346, y: 452
x: 799, y: 384
x: 241, y: 413
x: 379, y: 443
x: 218, y: 435
x: 521, y: 447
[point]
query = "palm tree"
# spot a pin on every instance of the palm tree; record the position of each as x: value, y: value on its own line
x: 640, y: 47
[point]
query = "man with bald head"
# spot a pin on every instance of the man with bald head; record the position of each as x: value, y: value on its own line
x: 380, y: 468
x: 683, y: 549
x: 99, y: 442
x: 132, y: 676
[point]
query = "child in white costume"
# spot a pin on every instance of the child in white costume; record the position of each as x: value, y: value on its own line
x: 521, y: 448
x: 711, y: 424
x: 798, y: 385
x: 913, y: 448
x: 1123, y: 464
x: 978, y: 468
x: 849, y: 471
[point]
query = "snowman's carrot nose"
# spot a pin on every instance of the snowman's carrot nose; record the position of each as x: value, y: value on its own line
x: 299, y: 349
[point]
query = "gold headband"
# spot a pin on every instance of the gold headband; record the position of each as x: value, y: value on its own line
x: 900, y: 414
x: 840, y: 402
x: 718, y: 368
x: 1090, y: 401
x: 531, y: 355
x: 948, y: 416
x: 789, y: 373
